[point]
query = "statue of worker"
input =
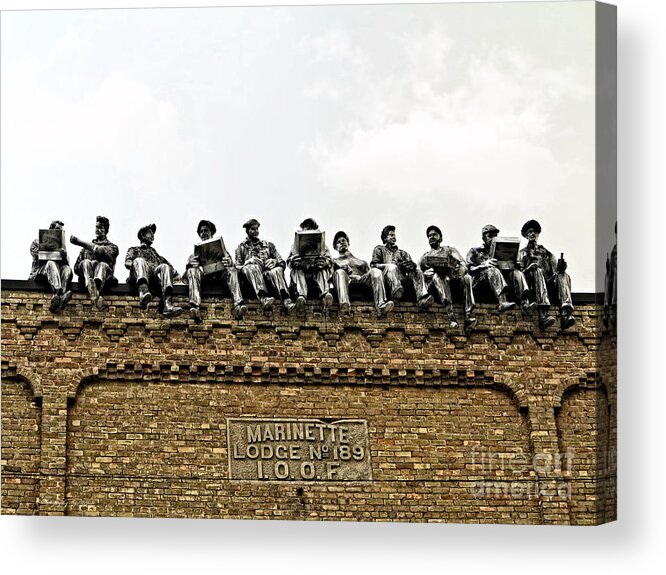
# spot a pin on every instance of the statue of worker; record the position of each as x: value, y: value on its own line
x: 441, y: 266
x: 148, y: 268
x: 96, y: 262
x: 315, y: 268
x: 484, y: 270
x: 397, y: 268
x: 543, y: 272
x: 349, y: 270
x: 54, y: 271
x: 263, y: 266
x: 225, y: 270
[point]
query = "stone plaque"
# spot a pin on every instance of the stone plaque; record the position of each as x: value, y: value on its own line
x: 298, y: 450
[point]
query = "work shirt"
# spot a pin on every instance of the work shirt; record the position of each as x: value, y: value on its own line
x: 458, y: 267
x: 544, y: 259
x: 260, y: 249
x: 389, y: 255
x: 151, y: 256
x: 106, y: 252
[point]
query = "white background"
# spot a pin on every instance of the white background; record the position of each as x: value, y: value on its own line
x: 633, y: 543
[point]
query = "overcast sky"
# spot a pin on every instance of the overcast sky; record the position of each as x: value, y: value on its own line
x: 359, y: 116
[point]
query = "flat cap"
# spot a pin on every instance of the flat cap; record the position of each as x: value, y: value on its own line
x: 435, y: 228
x: 489, y: 229
x: 251, y: 222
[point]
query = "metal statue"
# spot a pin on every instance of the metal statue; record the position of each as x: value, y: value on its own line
x: 263, y: 267
x: 148, y: 268
x: 96, y: 262
x: 50, y: 264
x: 489, y: 267
x: 310, y: 260
x: 349, y: 269
x: 441, y: 265
x: 211, y: 262
x: 397, y: 267
x: 610, y: 286
x: 544, y: 271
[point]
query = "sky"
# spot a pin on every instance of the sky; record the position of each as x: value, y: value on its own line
x: 359, y: 116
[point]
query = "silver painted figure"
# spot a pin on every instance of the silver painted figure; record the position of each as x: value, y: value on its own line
x: 55, y: 273
x: 318, y: 271
x: 544, y: 271
x: 195, y: 276
x: 263, y: 267
x: 96, y: 262
x: 349, y: 269
x: 441, y: 265
x: 484, y: 269
x: 397, y: 267
x: 147, y: 267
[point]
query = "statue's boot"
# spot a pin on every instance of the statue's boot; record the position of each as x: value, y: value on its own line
x: 171, y: 310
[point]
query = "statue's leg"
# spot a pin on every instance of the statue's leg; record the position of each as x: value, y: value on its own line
x: 540, y: 288
x: 103, y: 274
x: 52, y: 273
x: 422, y: 297
x: 255, y: 277
x: 300, y: 281
x: 375, y: 280
x: 322, y: 278
x: 341, y: 283
x: 470, y: 303
x: 163, y: 274
x: 441, y: 287
x: 563, y: 284
x: 392, y: 278
x: 275, y: 278
x: 522, y: 291
x: 231, y: 276
x: 496, y: 281
x: 194, y: 276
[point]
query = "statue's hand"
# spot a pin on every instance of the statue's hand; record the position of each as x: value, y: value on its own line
x: 491, y: 263
x: 270, y: 263
x: 429, y: 273
x: 253, y: 261
x: 519, y: 266
x: 321, y: 262
x: 355, y: 277
x: 296, y: 262
x: 193, y: 261
x: 562, y: 266
x: 74, y: 239
x: 227, y: 261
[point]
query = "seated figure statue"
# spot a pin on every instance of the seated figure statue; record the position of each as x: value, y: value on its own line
x: 56, y: 273
x: 96, y: 262
x: 316, y: 270
x: 484, y: 270
x: 263, y: 267
x: 148, y: 267
x: 195, y: 276
x: 543, y: 271
x: 397, y: 268
x: 349, y: 269
x: 442, y: 265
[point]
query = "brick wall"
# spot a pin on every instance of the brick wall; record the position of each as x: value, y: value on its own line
x: 124, y: 413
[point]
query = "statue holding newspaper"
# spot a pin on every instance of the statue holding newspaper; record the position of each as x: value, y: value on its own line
x: 211, y: 262
x: 495, y: 264
x: 50, y: 264
x: 311, y: 264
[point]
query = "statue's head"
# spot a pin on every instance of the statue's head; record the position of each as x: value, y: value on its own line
x: 341, y: 242
x: 56, y: 225
x: 388, y: 235
x: 206, y: 230
x: 488, y: 232
x: 531, y: 230
x: 309, y: 224
x: 252, y: 228
x: 147, y: 234
x: 101, y: 227
x: 434, y: 235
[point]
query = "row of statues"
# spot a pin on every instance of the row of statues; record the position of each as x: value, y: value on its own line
x: 530, y: 277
